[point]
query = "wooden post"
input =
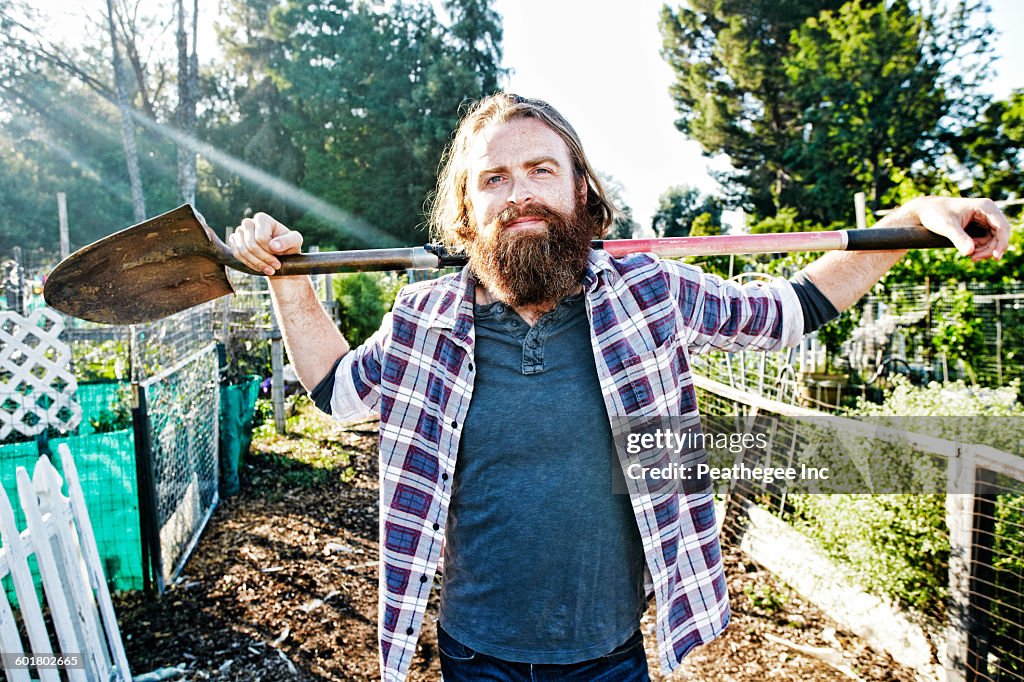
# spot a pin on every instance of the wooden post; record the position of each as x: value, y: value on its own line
x: 982, y: 583
x: 860, y: 207
x: 277, y: 380
x: 961, y: 474
x: 999, y: 340
x: 62, y: 216
x: 225, y: 305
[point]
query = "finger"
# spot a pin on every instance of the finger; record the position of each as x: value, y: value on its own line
x: 290, y: 242
x: 268, y: 264
x: 266, y: 228
x: 241, y: 251
x: 984, y: 250
x: 1000, y: 225
x: 948, y: 226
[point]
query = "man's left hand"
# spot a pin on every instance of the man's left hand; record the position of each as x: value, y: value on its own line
x: 950, y: 216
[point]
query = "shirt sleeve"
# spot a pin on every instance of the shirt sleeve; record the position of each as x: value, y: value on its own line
x: 815, y: 306
x: 351, y: 390
x: 720, y: 314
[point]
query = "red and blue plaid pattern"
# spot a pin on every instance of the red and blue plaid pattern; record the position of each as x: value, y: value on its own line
x: 646, y: 317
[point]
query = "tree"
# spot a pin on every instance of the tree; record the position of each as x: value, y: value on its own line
x: 731, y: 90
x: 131, y: 150
x: 876, y: 103
x: 679, y: 207
x: 376, y: 94
x: 624, y: 226
x: 991, y: 151
x: 813, y: 101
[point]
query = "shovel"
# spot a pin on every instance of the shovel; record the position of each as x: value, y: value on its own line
x: 174, y: 261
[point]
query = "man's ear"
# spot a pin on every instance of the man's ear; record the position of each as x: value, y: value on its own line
x: 582, y: 187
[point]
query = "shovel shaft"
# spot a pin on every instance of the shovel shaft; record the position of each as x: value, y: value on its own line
x: 433, y: 256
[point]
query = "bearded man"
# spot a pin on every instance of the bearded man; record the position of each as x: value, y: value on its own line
x: 498, y: 389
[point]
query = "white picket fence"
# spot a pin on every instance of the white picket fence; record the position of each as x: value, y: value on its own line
x: 60, y: 536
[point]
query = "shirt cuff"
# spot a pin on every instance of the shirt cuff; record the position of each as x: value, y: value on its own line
x: 324, y: 391
x: 816, y: 307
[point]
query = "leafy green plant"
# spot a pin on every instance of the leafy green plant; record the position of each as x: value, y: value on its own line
x: 898, y: 545
x: 118, y: 414
x: 363, y: 299
x: 959, y: 333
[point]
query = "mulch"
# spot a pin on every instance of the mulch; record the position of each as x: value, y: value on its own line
x: 283, y: 586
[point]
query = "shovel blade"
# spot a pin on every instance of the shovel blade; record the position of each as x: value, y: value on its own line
x: 143, y: 273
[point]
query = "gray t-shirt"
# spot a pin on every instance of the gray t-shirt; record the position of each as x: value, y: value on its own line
x: 543, y: 564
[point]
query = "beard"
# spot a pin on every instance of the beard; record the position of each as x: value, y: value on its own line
x: 531, y: 268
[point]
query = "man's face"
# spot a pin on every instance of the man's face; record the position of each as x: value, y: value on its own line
x: 526, y: 206
x: 521, y: 163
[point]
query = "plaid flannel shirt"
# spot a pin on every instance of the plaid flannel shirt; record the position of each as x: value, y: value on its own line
x: 646, y: 317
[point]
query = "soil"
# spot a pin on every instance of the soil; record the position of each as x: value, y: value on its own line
x: 283, y: 586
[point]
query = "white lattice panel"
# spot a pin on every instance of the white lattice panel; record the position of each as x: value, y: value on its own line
x: 37, y: 387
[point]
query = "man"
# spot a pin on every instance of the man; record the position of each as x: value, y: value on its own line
x: 498, y: 389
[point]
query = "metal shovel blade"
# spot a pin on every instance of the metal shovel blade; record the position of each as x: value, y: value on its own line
x: 145, y: 272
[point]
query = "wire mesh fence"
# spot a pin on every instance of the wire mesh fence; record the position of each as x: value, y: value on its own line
x: 915, y: 322
x: 944, y: 540
x: 179, y: 412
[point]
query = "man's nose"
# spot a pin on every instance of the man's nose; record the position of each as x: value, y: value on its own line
x: 520, y: 192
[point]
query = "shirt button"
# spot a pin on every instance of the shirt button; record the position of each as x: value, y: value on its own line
x: 444, y: 477
x: 437, y: 526
x: 423, y: 579
x: 455, y: 424
x: 471, y: 367
x: 409, y: 631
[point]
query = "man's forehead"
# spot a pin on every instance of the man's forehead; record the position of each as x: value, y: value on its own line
x: 516, y: 140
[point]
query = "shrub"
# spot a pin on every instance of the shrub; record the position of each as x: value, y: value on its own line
x: 363, y: 300
x: 898, y: 545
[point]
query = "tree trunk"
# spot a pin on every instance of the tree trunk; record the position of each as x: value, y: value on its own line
x: 188, y: 95
x: 131, y: 150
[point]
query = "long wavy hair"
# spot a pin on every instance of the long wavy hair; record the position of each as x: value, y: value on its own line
x: 450, y: 222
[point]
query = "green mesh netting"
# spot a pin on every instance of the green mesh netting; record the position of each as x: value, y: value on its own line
x: 237, y: 406
x: 106, y: 470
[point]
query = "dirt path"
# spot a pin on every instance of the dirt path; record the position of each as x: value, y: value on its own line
x: 283, y: 586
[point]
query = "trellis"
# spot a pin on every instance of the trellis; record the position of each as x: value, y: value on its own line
x: 37, y: 386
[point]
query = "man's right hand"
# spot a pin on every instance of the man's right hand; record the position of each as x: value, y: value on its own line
x: 259, y: 240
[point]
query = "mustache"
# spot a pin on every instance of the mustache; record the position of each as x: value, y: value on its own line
x: 514, y: 213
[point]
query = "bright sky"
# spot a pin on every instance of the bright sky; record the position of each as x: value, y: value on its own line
x: 597, y: 62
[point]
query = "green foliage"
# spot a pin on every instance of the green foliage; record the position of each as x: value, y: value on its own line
x: 313, y: 451
x: 958, y: 332
x: 834, y: 333
x: 813, y: 101
x: 991, y: 151
x: 363, y: 299
x: 376, y: 92
x: 100, y: 361
x: 731, y: 90
x: 118, y: 414
x: 765, y: 598
x: 679, y: 207
x: 898, y: 545
x: 351, y: 103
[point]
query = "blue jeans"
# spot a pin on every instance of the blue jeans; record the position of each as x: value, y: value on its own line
x: 459, y: 663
